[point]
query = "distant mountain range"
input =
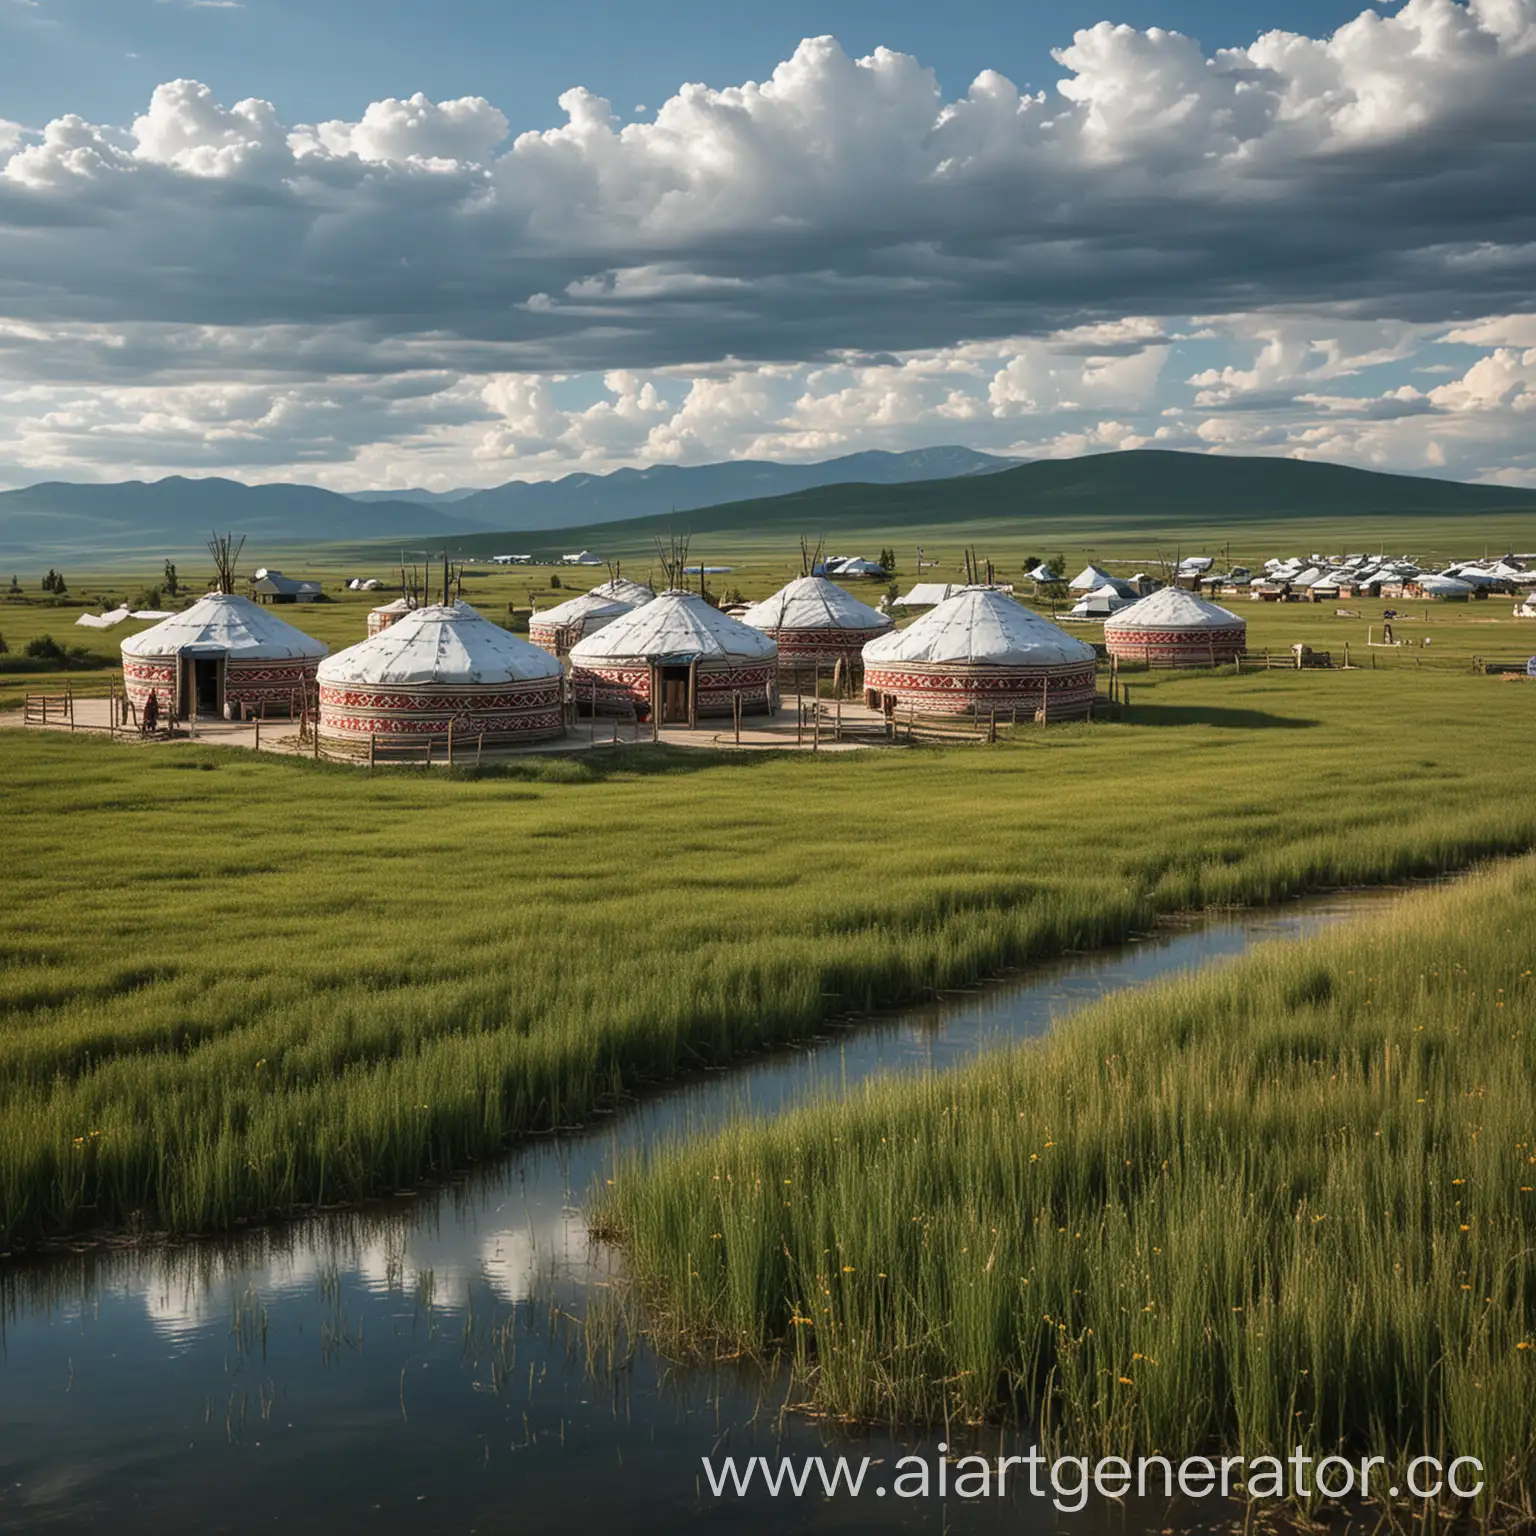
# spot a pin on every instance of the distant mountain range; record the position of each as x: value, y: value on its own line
x: 1154, y: 490
x: 623, y: 512
x: 62, y: 520
x: 666, y: 488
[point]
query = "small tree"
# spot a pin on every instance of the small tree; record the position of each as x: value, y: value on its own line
x: 15, y: 586
x: 888, y: 560
x: 172, y: 585
x: 555, y: 582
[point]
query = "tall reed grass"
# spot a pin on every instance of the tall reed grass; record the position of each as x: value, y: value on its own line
x: 239, y: 991
x: 1289, y: 1201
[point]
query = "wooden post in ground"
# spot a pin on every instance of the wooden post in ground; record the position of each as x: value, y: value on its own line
x: 837, y: 730
x: 736, y: 713
x: 816, y: 717
x: 799, y: 717
x: 1346, y: 655
x: 1125, y: 697
x: 479, y: 747
x: 258, y: 733
x: 429, y: 751
x: 373, y: 750
x: 450, y: 743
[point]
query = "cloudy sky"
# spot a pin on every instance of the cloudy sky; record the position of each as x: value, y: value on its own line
x: 386, y: 242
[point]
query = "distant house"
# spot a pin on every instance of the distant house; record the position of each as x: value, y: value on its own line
x: 269, y: 586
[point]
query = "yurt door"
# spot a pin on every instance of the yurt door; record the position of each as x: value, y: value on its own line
x: 675, y: 694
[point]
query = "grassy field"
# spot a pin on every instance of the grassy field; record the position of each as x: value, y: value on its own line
x: 1289, y: 1201
x: 232, y: 985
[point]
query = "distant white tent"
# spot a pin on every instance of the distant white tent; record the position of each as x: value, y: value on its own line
x: 584, y: 557
x: 1099, y: 604
x: 102, y: 621
x: 1043, y: 572
x: 1089, y: 579
x: 929, y: 594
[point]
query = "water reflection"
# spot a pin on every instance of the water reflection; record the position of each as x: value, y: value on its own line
x: 461, y: 1361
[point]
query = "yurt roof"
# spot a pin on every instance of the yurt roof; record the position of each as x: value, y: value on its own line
x: 635, y: 593
x: 225, y: 622
x: 1088, y: 578
x: 437, y: 644
x: 985, y: 627
x: 400, y: 605
x: 1173, y: 608
x: 1444, y: 584
x: 588, y: 605
x: 813, y: 602
x: 679, y: 624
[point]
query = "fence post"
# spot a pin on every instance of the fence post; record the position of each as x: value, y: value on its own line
x: 479, y: 747
x: 450, y: 743
x: 258, y: 733
x: 373, y: 742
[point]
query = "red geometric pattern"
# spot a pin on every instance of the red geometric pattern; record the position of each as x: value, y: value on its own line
x: 824, y: 645
x: 253, y: 684
x: 1177, y: 647
x: 627, y: 686
x: 957, y: 686
x: 531, y: 711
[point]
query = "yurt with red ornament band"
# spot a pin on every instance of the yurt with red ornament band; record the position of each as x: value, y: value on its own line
x: 816, y: 622
x: 981, y: 651
x: 439, y: 668
x: 678, y: 656
x: 1175, y: 628
x: 557, y: 629
x: 223, y: 656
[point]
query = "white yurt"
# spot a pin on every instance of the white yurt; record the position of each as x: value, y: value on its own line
x: 386, y: 614
x: 636, y: 593
x: 981, y: 650
x: 557, y: 629
x: 815, y: 621
x: 442, y: 666
x: 225, y: 655
x: 1175, y: 628
x: 678, y: 651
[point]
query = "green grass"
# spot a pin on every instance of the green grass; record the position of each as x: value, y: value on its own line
x: 1291, y: 1200
x: 263, y: 983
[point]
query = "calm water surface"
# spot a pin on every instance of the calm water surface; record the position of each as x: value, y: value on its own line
x: 417, y: 1366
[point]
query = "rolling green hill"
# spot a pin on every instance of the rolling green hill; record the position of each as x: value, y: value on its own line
x: 1144, y: 493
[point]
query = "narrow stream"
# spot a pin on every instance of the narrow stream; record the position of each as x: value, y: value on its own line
x: 414, y: 1366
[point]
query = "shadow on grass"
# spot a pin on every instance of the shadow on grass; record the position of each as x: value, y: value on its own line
x: 1223, y: 719
x: 599, y: 764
